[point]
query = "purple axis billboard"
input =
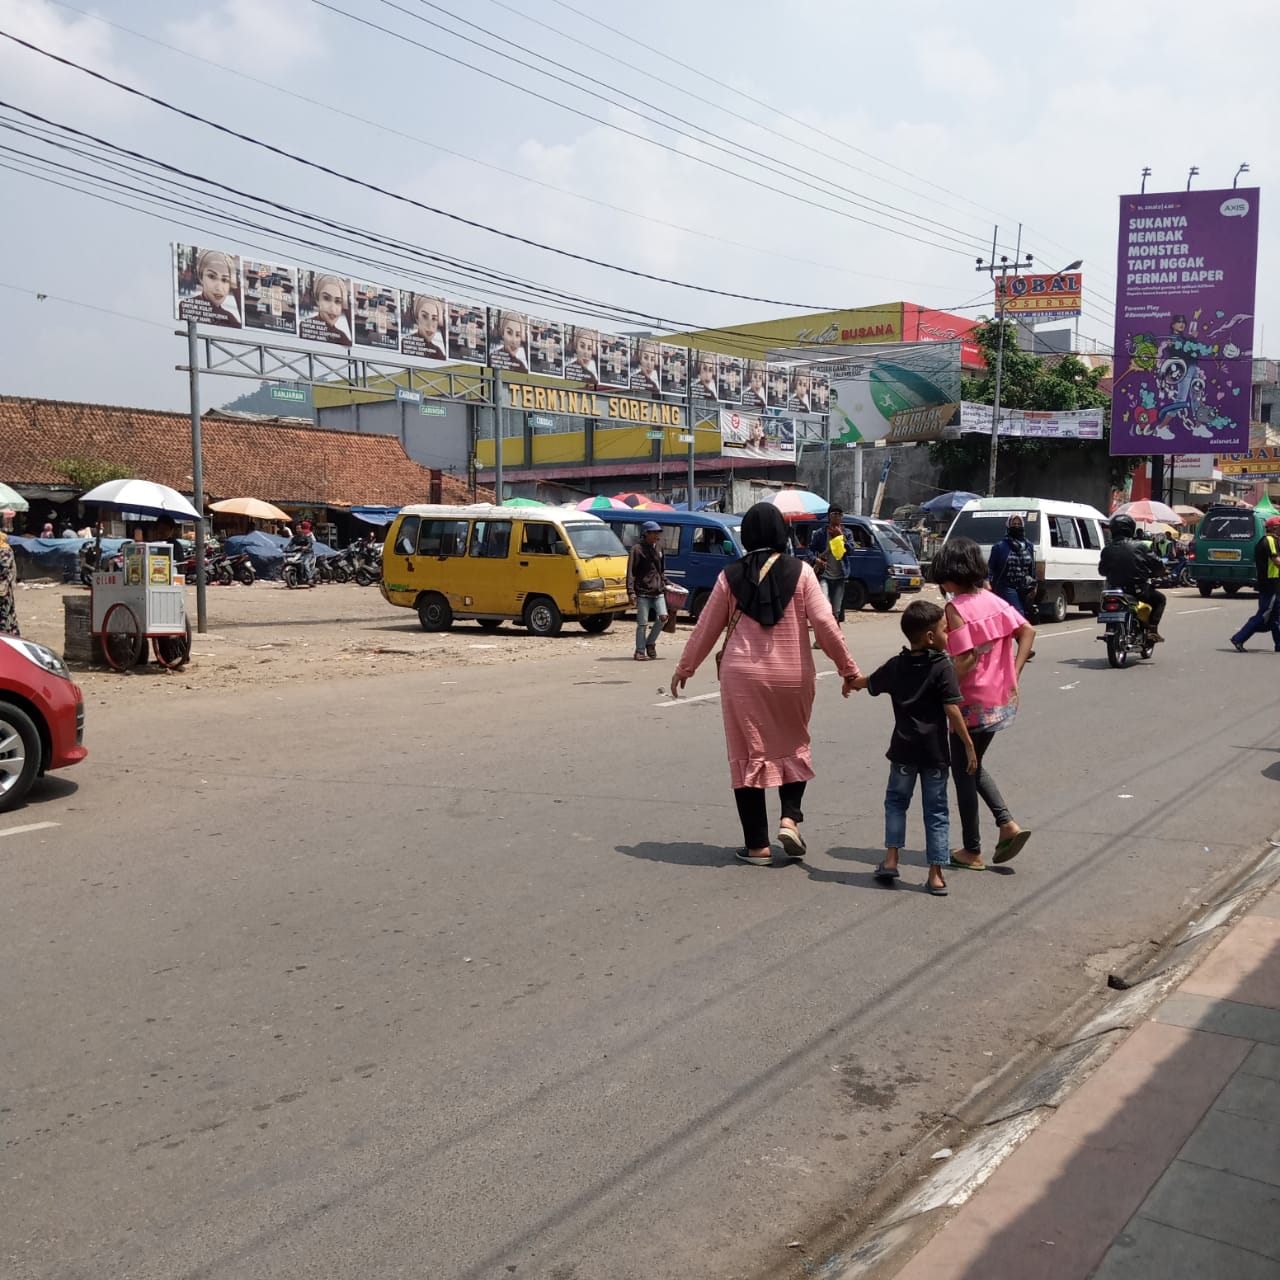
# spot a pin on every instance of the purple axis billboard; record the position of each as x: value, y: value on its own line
x: 1188, y: 265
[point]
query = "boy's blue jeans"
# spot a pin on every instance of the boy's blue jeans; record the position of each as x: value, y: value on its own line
x: 933, y: 797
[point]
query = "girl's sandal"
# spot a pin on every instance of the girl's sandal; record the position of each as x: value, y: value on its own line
x: 938, y: 890
x: 967, y: 866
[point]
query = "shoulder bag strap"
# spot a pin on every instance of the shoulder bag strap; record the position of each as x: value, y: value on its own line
x: 737, y: 609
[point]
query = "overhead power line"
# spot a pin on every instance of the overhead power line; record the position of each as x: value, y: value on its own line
x: 379, y: 190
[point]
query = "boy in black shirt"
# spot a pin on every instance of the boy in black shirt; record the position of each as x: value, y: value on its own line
x: 926, y: 703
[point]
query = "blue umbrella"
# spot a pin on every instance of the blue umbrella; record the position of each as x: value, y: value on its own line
x: 948, y: 502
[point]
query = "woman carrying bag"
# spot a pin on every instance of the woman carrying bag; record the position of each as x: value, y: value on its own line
x: 762, y: 607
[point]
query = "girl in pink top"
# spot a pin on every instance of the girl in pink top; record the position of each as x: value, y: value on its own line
x: 989, y: 642
x: 767, y: 678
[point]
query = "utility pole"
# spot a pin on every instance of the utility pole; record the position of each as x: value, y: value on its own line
x: 1006, y: 268
x: 497, y: 437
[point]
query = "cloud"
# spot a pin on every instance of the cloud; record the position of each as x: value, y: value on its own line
x: 259, y: 38
x: 46, y: 87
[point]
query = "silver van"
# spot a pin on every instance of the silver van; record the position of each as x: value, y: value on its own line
x: 1068, y: 538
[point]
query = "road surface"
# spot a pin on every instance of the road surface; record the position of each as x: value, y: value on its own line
x: 451, y: 974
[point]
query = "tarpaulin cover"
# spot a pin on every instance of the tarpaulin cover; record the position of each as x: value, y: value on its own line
x: 57, y: 558
x: 375, y: 515
x: 266, y: 551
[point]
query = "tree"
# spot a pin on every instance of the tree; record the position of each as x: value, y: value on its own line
x: 1029, y: 382
x: 88, y: 473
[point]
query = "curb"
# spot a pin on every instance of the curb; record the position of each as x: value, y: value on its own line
x: 1008, y: 1119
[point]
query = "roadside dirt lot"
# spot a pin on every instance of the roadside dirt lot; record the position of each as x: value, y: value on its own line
x: 267, y: 635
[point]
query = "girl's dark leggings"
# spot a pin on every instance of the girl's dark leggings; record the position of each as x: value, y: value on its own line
x: 754, y: 815
x: 969, y: 786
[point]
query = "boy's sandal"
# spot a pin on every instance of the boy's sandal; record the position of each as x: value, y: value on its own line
x: 968, y: 866
x: 640, y: 657
x: 743, y: 855
x: 886, y: 875
x: 938, y: 890
x: 1010, y: 848
x: 792, y: 843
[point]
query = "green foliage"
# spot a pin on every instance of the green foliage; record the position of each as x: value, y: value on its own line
x: 1028, y: 382
x: 88, y: 473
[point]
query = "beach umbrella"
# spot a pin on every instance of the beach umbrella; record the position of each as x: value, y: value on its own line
x: 633, y: 499
x: 252, y: 508
x: 12, y: 500
x: 945, y: 502
x: 145, y: 497
x: 652, y: 504
x: 1148, y: 512
x: 523, y: 502
x: 795, y: 503
x: 601, y: 503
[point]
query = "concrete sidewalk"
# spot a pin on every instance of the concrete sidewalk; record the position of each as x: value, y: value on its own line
x: 1164, y: 1163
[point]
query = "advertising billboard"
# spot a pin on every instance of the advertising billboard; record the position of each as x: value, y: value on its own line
x: 1066, y: 424
x: 424, y: 326
x: 614, y: 360
x: 468, y: 332
x: 675, y: 370
x: 207, y: 286
x: 706, y: 379
x: 1041, y: 297
x: 508, y: 340
x: 646, y: 366
x: 376, y: 311
x: 729, y: 372
x: 1185, y: 284
x: 757, y: 435
x: 900, y: 395
x: 324, y: 307
x: 270, y: 296
x: 546, y: 347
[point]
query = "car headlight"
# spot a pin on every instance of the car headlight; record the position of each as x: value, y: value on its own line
x: 591, y: 584
x: 40, y: 655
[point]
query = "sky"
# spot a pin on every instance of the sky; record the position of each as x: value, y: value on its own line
x: 814, y: 156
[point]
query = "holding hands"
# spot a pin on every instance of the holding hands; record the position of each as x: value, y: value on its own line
x: 853, y: 684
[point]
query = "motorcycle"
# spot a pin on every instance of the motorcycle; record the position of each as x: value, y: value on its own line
x: 216, y: 568
x: 343, y: 565
x: 88, y: 556
x: 368, y: 564
x: 294, y: 572
x: 242, y: 569
x: 1125, y: 625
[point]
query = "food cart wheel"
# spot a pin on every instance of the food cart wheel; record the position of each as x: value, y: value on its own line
x: 173, y: 651
x: 121, y: 637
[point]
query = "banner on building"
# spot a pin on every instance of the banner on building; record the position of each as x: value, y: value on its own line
x: 1192, y: 466
x: 1040, y: 297
x: 1252, y: 462
x: 1074, y: 424
x: 909, y: 393
x: 1185, y: 288
x: 757, y: 435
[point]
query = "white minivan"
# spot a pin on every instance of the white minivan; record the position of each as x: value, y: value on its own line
x: 1068, y: 538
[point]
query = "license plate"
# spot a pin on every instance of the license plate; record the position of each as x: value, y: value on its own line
x: 1224, y: 553
x: 914, y: 582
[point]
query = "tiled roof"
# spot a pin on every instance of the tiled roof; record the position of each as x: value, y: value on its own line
x: 277, y: 460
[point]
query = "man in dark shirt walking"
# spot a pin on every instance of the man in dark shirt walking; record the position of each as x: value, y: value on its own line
x: 646, y: 589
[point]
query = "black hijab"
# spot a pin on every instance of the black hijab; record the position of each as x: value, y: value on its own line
x: 764, y: 531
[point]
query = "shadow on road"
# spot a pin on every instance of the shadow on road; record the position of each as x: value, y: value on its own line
x: 683, y: 855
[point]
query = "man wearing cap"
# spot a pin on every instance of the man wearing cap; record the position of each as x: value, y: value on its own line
x: 304, y: 541
x: 1266, y: 560
x: 646, y: 589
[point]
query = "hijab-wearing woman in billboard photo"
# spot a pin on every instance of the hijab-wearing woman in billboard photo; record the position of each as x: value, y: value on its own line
x: 705, y: 388
x: 756, y: 394
x: 425, y: 328
x: 767, y: 602
x: 508, y: 342
x: 216, y: 300
x: 801, y: 392
x: 644, y: 367
x: 331, y: 299
x: 581, y: 365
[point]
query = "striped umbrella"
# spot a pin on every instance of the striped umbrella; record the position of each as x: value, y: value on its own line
x: 601, y: 503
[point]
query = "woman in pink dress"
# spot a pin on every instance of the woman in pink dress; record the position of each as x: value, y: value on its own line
x: 768, y: 601
x: 989, y: 642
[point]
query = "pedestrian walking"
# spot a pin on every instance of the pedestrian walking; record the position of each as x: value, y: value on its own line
x: 763, y: 605
x: 8, y: 588
x: 830, y: 562
x: 1266, y: 561
x: 921, y: 683
x: 1013, y: 567
x: 989, y: 642
x: 646, y: 589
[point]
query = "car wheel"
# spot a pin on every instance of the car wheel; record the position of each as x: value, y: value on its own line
x: 20, y: 754
x: 882, y: 604
x: 855, y: 595
x: 698, y: 603
x: 597, y: 625
x: 434, y: 612
x: 1206, y: 589
x: 1232, y: 588
x: 542, y: 617
x: 1054, y: 608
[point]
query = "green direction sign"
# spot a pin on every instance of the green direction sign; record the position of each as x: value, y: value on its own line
x: 432, y: 410
x: 654, y: 435
x: 296, y: 394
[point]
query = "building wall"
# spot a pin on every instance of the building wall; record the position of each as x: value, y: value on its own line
x: 436, y: 442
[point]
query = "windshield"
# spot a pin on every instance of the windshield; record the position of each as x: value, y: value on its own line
x: 892, y: 540
x: 986, y: 528
x: 590, y: 540
x: 1227, y: 526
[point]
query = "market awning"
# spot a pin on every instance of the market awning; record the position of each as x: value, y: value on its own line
x: 12, y: 500
x: 375, y: 515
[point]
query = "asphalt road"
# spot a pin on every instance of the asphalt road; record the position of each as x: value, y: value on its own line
x: 451, y: 974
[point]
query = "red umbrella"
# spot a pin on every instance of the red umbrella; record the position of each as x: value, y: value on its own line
x: 633, y: 499
x: 1148, y: 512
x: 649, y: 504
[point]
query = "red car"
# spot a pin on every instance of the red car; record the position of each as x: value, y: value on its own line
x: 41, y: 717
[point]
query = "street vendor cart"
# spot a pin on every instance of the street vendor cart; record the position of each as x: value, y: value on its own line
x: 143, y: 600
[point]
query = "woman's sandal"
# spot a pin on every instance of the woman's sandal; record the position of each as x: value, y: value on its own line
x: 792, y: 843
x: 1007, y: 850
x: 886, y: 875
x: 743, y: 855
x: 967, y: 866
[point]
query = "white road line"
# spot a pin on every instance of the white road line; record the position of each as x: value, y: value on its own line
x: 1042, y: 634
x: 1209, y: 608
x: 684, y: 702
x: 31, y: 826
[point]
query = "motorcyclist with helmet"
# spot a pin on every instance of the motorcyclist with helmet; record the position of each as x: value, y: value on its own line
x: 1130, y: 566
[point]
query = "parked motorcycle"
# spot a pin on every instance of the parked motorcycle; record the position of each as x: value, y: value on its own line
x: 1125, y: 625
x: 88, y: 556
x: 343, y: 565
x: 241, y: 566
x: 368, y: 564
